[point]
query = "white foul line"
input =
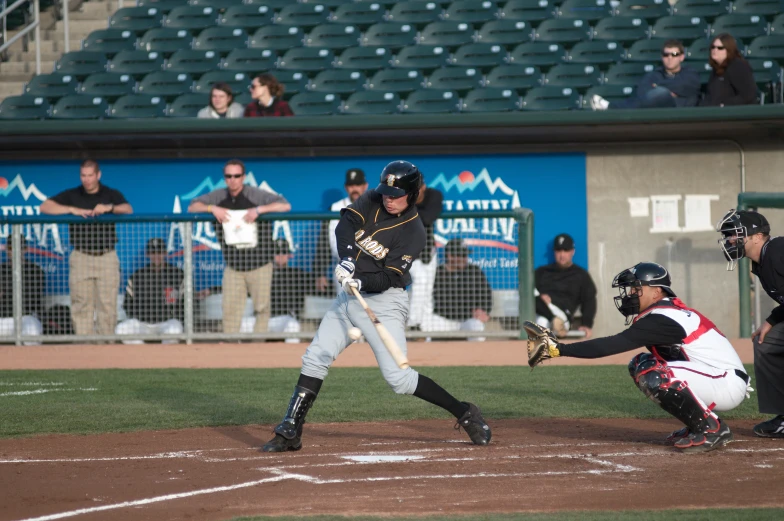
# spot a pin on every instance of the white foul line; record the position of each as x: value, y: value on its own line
x: 42, y: 391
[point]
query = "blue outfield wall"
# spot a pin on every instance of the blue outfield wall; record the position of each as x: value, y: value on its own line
x: 552, y: 185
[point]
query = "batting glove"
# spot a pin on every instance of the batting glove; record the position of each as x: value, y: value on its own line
x: 345, y: 269
x: 351, y: 283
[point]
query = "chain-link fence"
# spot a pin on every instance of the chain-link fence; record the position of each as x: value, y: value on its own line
x: 175, y: 278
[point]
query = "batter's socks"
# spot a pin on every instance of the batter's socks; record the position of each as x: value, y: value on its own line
x: 310, y: 383
x: 430, y: 391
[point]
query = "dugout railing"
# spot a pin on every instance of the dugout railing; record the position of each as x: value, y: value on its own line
x: 501, y: 244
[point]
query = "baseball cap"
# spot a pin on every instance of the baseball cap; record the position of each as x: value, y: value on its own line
x: 355, y: 176
x: 281, y: 247
x: 753, y: 222
x: 563, y: 242
x: 457, y: 248
x: 156, y: 245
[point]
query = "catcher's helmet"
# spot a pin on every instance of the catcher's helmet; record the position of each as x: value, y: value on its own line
x: 400, y: 178
x: 735, y: 227
x: 641, y: 274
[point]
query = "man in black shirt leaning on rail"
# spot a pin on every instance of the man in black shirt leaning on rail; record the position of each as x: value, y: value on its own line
x: 94, y: 269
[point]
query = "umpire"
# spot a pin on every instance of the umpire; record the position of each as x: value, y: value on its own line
x: 747, y: 234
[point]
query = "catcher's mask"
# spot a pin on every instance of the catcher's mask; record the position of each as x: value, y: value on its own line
x: 735, y: 227
x: 641, y: 274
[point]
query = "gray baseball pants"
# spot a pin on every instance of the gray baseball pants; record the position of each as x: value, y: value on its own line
x: 769, y: 371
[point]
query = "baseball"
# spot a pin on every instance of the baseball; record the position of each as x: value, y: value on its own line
x: 354, y: 333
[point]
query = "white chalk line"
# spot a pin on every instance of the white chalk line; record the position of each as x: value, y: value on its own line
x: 42, y: 391
x: 31, y: 384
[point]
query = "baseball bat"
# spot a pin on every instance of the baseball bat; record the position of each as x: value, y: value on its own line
x: 386, y: 337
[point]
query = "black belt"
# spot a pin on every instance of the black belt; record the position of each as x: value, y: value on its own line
x: 95, y: 253
x: 743, y: 376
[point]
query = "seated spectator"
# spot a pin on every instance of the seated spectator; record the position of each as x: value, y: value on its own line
x: 267, y: 96
x: 732, y: 80
x: 153, y: 297
x: 671, y: 85
x: 561, y: 288
x: 222, y: 104
x: 33, y: 281
x: 462, y: 297
x: 288, y: 294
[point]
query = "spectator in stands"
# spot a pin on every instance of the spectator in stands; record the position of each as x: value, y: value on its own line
x: 563, y: 287
x: 222, y: 104
x: 289, y: 286
x: 33, y: 281
x: 423, y: 270
x: 732, y: 80
x: 462, y: 297
x: 267, y: 94
x: 671, y: 85
x: 327, y: 247
x: 246, y: 244
x: 94, y: 269
x: 154, y: 297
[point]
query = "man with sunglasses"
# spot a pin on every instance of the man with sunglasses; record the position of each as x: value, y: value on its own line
x: 671, y: 85
x: 248, y: 266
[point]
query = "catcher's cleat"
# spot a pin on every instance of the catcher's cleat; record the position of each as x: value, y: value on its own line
x: 712, y: 439
x: 773, y: 428
x: 677, y: 435
x: 287, y: 437
x: 474, y: 425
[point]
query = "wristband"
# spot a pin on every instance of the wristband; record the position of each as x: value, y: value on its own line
x: 209, y: 208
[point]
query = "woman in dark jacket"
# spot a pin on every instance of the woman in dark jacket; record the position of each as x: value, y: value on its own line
x: 267, y: 94
x: 732, y: 80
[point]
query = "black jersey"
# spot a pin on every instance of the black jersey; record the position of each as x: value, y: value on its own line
x: 383, y: 245
x: 770, y: 270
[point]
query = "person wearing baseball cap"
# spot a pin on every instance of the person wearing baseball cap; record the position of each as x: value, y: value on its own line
x: 561, y: 288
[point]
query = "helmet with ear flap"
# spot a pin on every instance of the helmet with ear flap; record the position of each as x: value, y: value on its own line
x: 400, y: 178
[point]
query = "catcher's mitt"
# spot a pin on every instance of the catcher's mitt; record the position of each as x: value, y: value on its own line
x: 542, y: 344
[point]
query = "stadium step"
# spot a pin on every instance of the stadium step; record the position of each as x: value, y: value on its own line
x: 20, y: 68
x: 97, y: 11
x: 10, y: 88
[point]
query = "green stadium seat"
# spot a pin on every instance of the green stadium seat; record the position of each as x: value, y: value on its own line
x: 249, y: 60
x: 315, y: 104
x: 107, y: 85
x: 293, y: 81
x: 81, y: 63
x: 421, y: 57
x: 331, y: 4
x: 361, y: 15
x: 276, y: 38
x: 431, y: 101
x: 621, y: 29
x: 527, y: 10
x: 243, y: 98
x: 562, y: 31
x: 471, y: 11
x: 588, y: 10
x: 516, y: 77
x: 52, y: 86
x: 110, y: 41
x: 700, y: 50
x: 596, y: 52
x: 400, y: 81
x: 136, y: 63
x: 574, y: 75
x: 335, y: 37
x: 742, y: 26
x: 80, y: 107
x: 302, y: 15
x: 165, y: 84
x: 238, y: 81
x: 275, y: 5
x: 248, y: 17
x: 776, y: 27
x: 222, y: 40
x: 550, y: 98
x: 650, y: 10
x: 458, y: 79
x: 684, y: 28
x: 137, y: 19
x: 24, y: 107
x: 363, y: 58
x: 386, y: 4
x: 371, y: 102
x: 418, y: 12
x: 193, y: 62
x: 769, y: 78
x: 504, y: 32
x: 543, y: 54
x: 707, y: 9
x: 138, y: 106
x: 306, y: 59
x: 491, y: 100
x: 767, y: 8
x: 645, y: 51
x: 191, y: 18
x: 483, y: 56
x: 447, y: 34
x: 338, y: 81
x: 391, y: 35
x: 609, y: 92
x: 165, y: 41
x: 770, y: 47
x: 625, y: 74
x: 187, y: 105
x: 163, y: 6
x: 704, y: 71
x: 218, y: 5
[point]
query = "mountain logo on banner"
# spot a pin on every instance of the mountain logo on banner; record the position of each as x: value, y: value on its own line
x: 18, y: 198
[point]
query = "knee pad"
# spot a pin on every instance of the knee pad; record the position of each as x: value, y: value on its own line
x: 650, y: 374
x: 634, y: 362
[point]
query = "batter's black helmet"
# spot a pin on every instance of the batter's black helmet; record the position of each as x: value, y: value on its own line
x: 735, y: 227
x: 641, y: 274
x: 400, y: 178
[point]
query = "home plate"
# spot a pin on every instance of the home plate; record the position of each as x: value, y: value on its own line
x: 381, y: 458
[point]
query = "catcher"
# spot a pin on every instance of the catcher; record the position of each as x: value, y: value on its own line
x: 691, y: 371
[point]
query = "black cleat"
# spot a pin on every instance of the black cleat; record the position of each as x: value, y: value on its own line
x: 711, y: 439
x: 287, y: 438
x: 773, y: 428
x: 474, y: 425
x: 677, y: 435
